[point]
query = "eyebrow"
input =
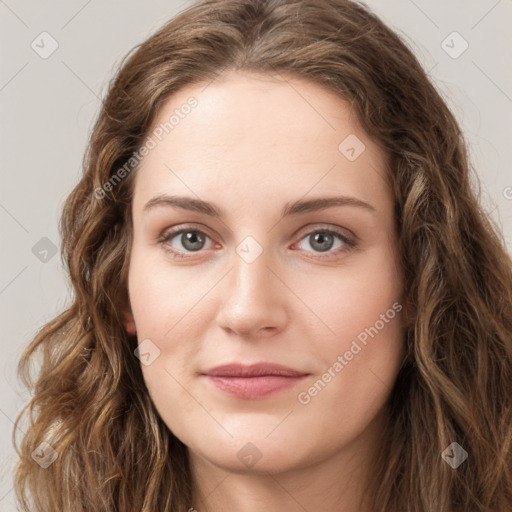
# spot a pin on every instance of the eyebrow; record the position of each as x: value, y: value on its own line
x: 291, y: 208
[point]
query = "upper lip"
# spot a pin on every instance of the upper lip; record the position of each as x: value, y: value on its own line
x: 253, y: 370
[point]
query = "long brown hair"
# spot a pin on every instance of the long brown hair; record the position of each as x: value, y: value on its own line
x: 114, y: 453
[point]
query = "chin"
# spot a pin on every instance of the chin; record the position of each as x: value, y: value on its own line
x: 254, y: 454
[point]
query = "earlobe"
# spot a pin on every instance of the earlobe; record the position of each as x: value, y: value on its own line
x: 129, y: 323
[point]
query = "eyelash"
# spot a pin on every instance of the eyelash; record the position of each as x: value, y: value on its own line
x: 169, y: 235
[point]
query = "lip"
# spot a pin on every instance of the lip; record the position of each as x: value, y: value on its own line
x: 253, y: 370
x: 253, y: 381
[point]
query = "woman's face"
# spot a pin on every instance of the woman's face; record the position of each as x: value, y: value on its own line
x: 253, y: 175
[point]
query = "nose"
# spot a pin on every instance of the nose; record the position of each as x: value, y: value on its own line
x: 252, y: 299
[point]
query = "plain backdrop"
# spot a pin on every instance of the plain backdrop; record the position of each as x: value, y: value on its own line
x: 48, y: 104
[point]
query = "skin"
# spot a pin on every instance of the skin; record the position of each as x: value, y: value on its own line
x: 253, y: 144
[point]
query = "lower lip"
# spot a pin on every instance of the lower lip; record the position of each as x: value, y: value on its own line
x: 254, y: 387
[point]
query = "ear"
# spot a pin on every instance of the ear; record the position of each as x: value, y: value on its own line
x: 129, y: 322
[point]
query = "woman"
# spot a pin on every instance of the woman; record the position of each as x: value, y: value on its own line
x: 287, y: 296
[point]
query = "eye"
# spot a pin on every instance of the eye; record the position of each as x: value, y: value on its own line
x: 182, y: 240
x: 326, y: 241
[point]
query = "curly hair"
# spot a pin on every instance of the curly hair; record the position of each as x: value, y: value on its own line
x: 89, y: 400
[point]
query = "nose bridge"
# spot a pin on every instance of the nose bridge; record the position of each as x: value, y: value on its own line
x: 252, y: 300
x: 250, y: 270
x: 250, y: 277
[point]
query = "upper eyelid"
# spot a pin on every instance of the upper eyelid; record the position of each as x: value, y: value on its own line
x: 338, y: 230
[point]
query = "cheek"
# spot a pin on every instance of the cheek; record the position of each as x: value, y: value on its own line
x: 362, y: 342
x: 169, y: 310
x: 354, y: 299
x: 361, y: 361
x: 163, y: 298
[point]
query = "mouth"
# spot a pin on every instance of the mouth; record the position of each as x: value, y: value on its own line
x: 255, y: 381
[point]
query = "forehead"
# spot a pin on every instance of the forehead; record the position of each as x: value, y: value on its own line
x: 249, y: 131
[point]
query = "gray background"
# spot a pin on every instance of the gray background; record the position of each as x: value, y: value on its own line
x: 47, y: 107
